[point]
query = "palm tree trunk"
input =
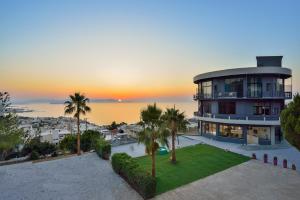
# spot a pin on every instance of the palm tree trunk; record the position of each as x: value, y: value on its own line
x: 173, y: 143
x: 173, y: 148
x: 78, y: 137
x: 153, y: 162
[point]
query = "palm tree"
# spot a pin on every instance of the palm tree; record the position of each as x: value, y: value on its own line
x: 175, y: 121
x: 77, y: 105
x: 154, y: 132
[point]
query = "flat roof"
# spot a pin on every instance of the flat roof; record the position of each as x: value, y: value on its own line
x: 270, y: 70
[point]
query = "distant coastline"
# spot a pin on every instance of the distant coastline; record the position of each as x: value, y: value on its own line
x: 105, y: 100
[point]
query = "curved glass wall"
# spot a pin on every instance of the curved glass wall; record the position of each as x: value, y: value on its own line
x: 206, y: 89
x: 209, y: 128
x: 231, y: 131
x: 254, y: 87
x: 234, y: 87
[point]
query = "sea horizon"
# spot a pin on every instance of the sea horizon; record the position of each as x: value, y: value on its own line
x: 104, y: 113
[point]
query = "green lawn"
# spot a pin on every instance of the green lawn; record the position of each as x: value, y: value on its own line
x: 193, y: 163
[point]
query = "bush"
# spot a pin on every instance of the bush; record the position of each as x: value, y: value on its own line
x: 42, y: 148
x: 87, y: 141
x: 103, y: 148
x: 139, y: 179
x: 69, y: 143
x: 290, y: 121
x: 34, y: 155
x: 54, y: 154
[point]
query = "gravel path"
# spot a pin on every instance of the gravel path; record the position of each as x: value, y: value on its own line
x: 79, y: 177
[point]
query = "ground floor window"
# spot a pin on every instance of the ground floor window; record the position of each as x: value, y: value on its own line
x: 260, y: 132
x: 209, y: 128
x: 231, y: 131
x: 256, y: 133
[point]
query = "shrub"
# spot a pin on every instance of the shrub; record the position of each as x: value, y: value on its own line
x: 69, y: 143
x: 54, y: 154
x: 103, y: 148
x: 290, y: 121
x: 117, y: 160
x: 35, y: 145
x: 139, y: 179
x: 88, y: 140
x: 34, y: 155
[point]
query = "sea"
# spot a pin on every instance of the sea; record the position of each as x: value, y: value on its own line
x: 105, y: 113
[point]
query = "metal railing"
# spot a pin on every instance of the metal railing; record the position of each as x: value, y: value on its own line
x: 239, y: 117
x: 226, y: 94
x: 277, y: 94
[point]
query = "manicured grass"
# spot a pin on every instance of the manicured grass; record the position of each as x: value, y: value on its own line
x: 193, y: 163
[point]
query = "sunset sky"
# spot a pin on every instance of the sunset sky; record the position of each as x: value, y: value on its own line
x: 137, y: 49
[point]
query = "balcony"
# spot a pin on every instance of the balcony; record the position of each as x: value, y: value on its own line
x: 261, y: 118
x: 196, y: 97
x: 226, y: 94
x: 288, y: 95
x: 199, y: 96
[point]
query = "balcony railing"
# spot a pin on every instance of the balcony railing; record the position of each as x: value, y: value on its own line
x: 202, y: 96
x: 286, y: 94
x: 239, y: 117
x: 226, y: 94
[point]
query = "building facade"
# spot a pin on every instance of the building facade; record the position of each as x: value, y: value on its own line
x: 243, y: 105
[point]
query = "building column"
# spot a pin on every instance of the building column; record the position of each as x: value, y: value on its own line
x: 217, y: 129
x: 200, y: 127
x: 272, y: 129
x: 245, y: 134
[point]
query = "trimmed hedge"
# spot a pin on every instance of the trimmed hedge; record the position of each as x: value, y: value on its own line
x: 103, y: 148
x: 139, y: 179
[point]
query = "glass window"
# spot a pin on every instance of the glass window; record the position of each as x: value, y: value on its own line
x: 279, y: 86
x: 207, y: 89
x: 209, y: 128
x: 268, y: 87
x: 260, y: 132
x: 207, y: 107
x: 199, y: 88
x: 226, y: 107
x: 254, y: 87
x: 276, y: 111
x: 234, y: 87
x: 231, y: 131
x: 262, y: 108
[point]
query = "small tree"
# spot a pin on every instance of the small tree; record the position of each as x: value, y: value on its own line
x: 154, y: 132
x: 10, y: 134
x: 290, y: 121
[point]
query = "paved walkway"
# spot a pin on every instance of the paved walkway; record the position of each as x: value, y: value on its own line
x: 290, y: 153
x: 137, y: 150
x: 77, y: 177
x: 248, y: 181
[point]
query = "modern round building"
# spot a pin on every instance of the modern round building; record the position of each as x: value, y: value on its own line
x: 243, y: 105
